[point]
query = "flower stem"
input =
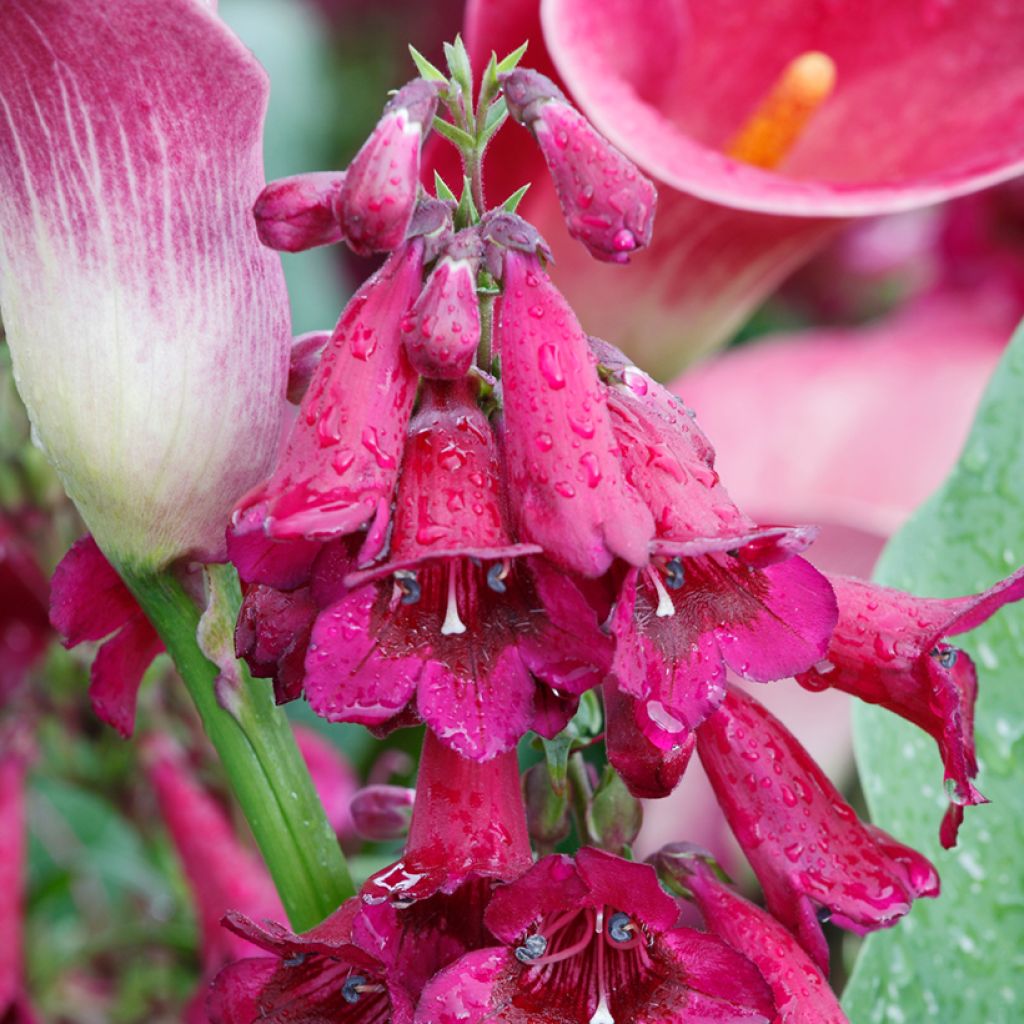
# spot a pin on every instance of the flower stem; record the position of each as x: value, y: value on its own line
x: 261, y: 760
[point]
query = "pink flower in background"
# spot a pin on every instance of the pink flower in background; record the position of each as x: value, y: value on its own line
x: 14, y: 757
x: 221, y: 873
x: 24, y: 599
x: 148, y: 327
x: 89, y: 602
x: 592, y: 940
x: 651, y: 79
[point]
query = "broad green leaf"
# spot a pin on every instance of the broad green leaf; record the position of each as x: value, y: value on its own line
x: 960, y: 957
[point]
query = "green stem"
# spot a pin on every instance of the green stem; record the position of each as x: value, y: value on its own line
x: 261, y: 759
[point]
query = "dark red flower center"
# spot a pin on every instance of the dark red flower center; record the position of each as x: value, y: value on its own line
x: 320, y: 987
x: 588, y: 966
x: 453, y: 606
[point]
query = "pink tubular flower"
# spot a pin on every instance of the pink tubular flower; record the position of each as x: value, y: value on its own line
x: 222, y: 874
x: 650, y: 78
x: 889, y: 648
x: 801, y: 992
x: 454, y: 619
x: 88, y: 601
x: 442, y: 332
x: 148, y: 327
x: 806, y: 845
x: 592, y: 941
x: 607, y: 203
x: 14, y: 1004
x: 718, y: 590
x: 342, y: 458
x: 569, y: 491
x: 375, y: 204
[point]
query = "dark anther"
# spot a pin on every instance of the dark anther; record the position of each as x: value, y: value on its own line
x: 350, y: 990
x: 824, y: 915
x: 945, y: 656
x: 533, y: 946
x: 675, y: 575
x: 409, y: 586
x: 295, y: 961
x: 496, y: 577
x: 620, y: 927
x: 733, y: 552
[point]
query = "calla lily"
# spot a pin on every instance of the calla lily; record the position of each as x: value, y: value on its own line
x: 753, y: 174
x: 148, y: 327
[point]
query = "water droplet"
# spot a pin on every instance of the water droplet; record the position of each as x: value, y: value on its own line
x: 550, y: 366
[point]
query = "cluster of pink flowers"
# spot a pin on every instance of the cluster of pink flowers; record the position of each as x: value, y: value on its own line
x: 479, y: 514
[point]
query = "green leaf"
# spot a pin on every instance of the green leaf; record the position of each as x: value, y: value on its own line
x: 496, y: 115
x: 442, y: 191
x: 512, y: 59
x: 582, y: 727
x: 512, y: 203
x: 459, y: 65
x: 425, y: 68
x: 454, y: 134
x: 466, y: 212
x: 958, y: 957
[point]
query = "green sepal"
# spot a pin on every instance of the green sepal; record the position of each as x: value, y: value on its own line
x: 425, y: 68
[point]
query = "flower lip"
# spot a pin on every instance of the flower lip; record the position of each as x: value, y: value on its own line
x: 750, y: 548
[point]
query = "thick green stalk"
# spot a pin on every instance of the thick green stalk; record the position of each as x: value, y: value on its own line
x: 260, y: 757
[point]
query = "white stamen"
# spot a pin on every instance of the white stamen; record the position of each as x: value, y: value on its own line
x: 665, y: 605
x: 452, y: 622
x: 599, y: 923
x: 602, y: 1015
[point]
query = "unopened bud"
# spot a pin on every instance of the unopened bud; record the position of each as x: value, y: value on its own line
x: 676, y: 863
x: 547, y: 812
x: 297, y: 213
x: 376, y: 203
x: 382, y: 813
x: 614, y: 816
x: 442, y: 331
x: 432, y: 221
x: 608, y: 204
x: 500, y: 231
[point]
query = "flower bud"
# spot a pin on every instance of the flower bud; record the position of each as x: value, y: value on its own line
x: 442, y: 331
x: 375, y: 205
x: 547, y: 812
x: 608, y: 204
x: 614, y: 816
x: 382, y: 813
x: 297, y: 213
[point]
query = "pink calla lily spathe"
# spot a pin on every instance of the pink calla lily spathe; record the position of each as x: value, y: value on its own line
x: 148, y: 327
x: 650, y: 77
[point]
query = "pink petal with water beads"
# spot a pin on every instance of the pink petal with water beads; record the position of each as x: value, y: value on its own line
x: 342, y: 459
x: 567, y: 485
x: 297, y: 213
x: 304, y: 358
x: 802, y: 994
x: 805, y: 843
x: 376, y: 201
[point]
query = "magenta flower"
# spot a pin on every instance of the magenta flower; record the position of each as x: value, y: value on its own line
x: 24, y: 622
x: 297, y: 213
x: 801, y: 992
x: 560, y: 454
x: 652, y: 80
x: 221, y: 873
x: 807, y: 847
x: 14, y: 1002
x: 592, y: 941
x: 718, y: 590
x: 88, y: 601
x: 454, y: 622
x: 890, y: 648
x: 148, y: 327
x: 342, y: 458
x: 607, y: 203
x: 343, y: 970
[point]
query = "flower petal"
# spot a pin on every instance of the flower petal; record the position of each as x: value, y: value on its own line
x: 147, y: 325
x: 464, y: 993
x: 118, y: 669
